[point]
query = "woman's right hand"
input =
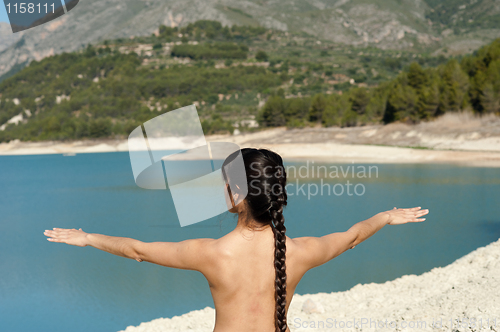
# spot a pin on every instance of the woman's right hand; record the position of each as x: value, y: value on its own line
x: 403, y: 216
x: 73, y: 236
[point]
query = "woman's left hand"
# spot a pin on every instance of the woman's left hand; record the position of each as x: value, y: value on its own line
x: 74, y: 237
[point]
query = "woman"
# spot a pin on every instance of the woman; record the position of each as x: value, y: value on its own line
x: 250, y: 293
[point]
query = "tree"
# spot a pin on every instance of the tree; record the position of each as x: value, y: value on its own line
x: 53, y: 125
x: 261, y: 56
x: 416, y: 76
x: 490, y: 90
x: 297, y: 109
x: 378, y: 101
x: 428, y: 101
x: 349, y: 119
x: 337, y: 106
x: 454, y: 87
x: 100, y: 128
x: 273, y: 112
x: 490, y: 99
x: 318, y: 105
x: 359, y: 98
x: 216, y: 125
x: 81, y: 128
x: 401, y: 104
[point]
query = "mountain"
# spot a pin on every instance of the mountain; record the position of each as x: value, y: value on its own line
x: 449, y: 26
x: 238, y: 77
x: 7, y: 38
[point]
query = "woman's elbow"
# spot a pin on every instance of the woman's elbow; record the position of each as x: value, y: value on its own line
x: 354, y: 238
x: 134, y: 252
x: 354, y: 243
x: 138, y: 257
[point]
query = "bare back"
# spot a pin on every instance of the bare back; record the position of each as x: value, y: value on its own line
x: 242, y: 280
x: 239, y: 267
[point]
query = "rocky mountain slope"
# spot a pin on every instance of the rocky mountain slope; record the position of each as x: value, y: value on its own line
x: 7, y: 38
x: 451, y: 26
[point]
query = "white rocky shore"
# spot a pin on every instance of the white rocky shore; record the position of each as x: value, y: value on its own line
x: 463, y: 296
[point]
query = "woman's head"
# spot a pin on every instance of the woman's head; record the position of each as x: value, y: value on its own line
x: 264, y: 203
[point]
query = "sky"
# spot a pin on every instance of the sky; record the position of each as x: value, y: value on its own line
x: 3, y: 13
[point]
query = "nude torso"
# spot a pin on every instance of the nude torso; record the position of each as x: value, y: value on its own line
x: 242, y: 280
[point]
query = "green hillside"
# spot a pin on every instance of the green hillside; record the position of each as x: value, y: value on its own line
x: 463, y: 16
x: 414, y: 95
x: 234, y: 75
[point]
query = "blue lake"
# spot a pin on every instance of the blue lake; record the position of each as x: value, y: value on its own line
x: 55, y: 287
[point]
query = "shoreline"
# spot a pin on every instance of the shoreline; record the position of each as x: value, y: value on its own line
x: 461, y: 290
x: 454, y: 138
x: 298, y: 145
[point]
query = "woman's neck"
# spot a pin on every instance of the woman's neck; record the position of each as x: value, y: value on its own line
x: 246, y: 223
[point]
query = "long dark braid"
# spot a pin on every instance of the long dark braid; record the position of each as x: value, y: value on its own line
x: 266, y: 198
x: 279, y: 231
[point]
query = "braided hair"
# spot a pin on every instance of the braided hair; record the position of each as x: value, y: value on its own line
x: 266, y: 198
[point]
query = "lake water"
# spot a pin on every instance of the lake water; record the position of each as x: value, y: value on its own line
x: 53, y: 287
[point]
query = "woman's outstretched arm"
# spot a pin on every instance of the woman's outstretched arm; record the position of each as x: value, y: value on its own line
x: 319, y: 250
x: 189, y: 254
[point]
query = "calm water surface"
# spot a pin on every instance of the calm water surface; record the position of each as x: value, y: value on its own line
x: 54, y: 287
